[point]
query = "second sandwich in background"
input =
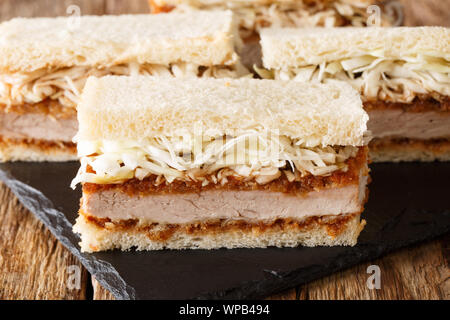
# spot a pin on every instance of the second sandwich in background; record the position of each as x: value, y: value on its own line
x: 44, y: 64
x: 211, y: 163
x: 403, y: 75
x: 252, y: 15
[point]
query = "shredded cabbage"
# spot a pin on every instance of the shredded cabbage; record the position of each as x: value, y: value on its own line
x: 262, y: 157
x: 299, y: 13
x: 377, y: 77
x: 65, y: 84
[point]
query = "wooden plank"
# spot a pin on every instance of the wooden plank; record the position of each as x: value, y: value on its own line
x: 287, y: 295
x: 413, y: 273
x: 132, y: 6
x: 47, y: 8
x: 100, y: 293
x: 33, y: 264
x: 427, y: 12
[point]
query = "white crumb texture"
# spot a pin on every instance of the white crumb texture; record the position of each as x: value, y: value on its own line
x: 94, y: 239
x: 138, y: 107
x: 291, y: 47
x: 28, y: 44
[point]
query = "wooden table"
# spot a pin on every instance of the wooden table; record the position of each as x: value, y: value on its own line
x: 33, y: 265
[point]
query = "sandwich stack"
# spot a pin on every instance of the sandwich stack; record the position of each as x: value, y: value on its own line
x: 211, y: 163
x: 403, y: 75
x: 253, y: 15
x: 44, y: 64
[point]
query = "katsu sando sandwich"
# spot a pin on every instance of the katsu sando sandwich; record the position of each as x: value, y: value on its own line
x: 44, y: 63
x: 403, y: 75
x: 252, y: 15
x: 211, y: 163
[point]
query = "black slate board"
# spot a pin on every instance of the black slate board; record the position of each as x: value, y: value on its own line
x: 408, y: 203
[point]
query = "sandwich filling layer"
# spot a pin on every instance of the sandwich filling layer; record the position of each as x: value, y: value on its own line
x: 251, y: 206
x: 405, y: 99
x: 37, y: 132
x: 378, y: 78
x: 64, y: 85
x: 315, y: 210
x: 254, y: 15
x: 252, y: 156
x: 37, y: 126
x: 423, y: 119
x: 46, y: 126
x: 397, y: 123
x: 238, y: 198
x: 404, y: 149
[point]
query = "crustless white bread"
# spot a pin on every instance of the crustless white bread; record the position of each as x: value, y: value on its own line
x: 204, y: 38
x: 152, y: 180
x: 403, y: 75
x: 45, y: 62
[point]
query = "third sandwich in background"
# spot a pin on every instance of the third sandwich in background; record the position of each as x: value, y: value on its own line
x: 403, y: 75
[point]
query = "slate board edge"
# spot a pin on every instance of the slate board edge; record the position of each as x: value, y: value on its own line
x: 103, y: 271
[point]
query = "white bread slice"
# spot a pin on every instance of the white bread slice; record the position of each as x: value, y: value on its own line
x: 95, y: 239
x: 290, y: 47
x: 138, y: 107
x: 203, y: 38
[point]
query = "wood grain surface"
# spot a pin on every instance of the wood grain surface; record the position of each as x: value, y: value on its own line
x: 33, y: 265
